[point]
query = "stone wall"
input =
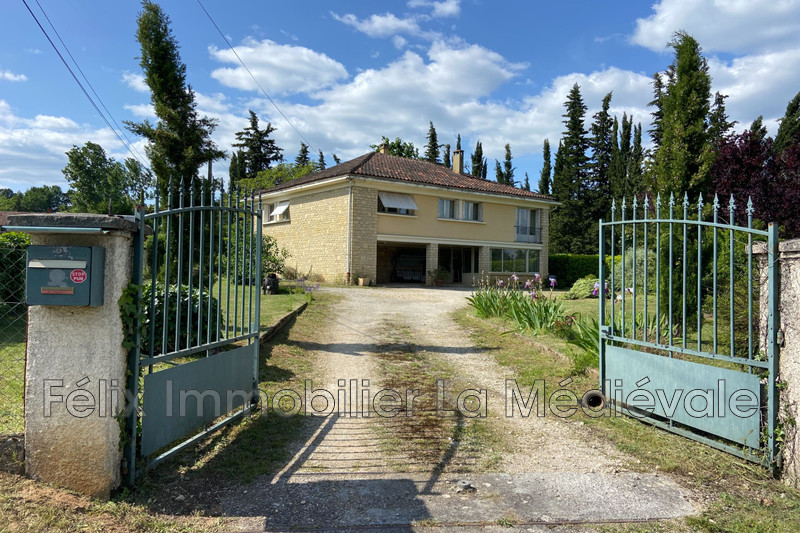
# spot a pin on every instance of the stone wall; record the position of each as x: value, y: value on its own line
x: 364, y: 234
x: 789, y: 325
x: 315, y: 234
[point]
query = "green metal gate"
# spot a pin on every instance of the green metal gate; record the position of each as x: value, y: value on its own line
x: 682, y: 344
x: 194, y: 363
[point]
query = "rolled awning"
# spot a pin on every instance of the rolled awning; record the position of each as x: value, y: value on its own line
x: 397, y: 200
x: 279, y: 209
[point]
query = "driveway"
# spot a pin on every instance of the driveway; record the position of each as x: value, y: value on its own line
x: 412, y: 461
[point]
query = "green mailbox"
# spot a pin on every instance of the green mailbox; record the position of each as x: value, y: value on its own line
x: 65, y: 275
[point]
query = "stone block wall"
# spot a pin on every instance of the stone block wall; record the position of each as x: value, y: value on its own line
x: 364, y: 234
x: 316, y: 233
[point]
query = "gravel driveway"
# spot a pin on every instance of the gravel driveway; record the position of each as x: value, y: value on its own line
x: 349, y: 470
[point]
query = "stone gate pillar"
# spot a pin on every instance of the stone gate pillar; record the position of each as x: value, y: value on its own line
x: 789, y: 330
x: 75, y: 364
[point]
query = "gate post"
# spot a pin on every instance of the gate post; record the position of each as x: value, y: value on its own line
x: 75, y: 361
x: 785, y: 336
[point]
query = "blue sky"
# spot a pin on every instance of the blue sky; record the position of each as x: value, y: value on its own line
x: 346, y: 73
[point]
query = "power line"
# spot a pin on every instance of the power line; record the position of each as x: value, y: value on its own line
x: 132, y: 148
x: 253, y: 77
x: 85, y: 92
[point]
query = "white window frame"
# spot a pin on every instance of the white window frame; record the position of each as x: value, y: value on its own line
x: 450, y: 209
x: 283, y: 216
x: 472, y: 211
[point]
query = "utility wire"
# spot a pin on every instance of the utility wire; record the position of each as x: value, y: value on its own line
x: 253, y: 77
x: 85, y: 92
x: 132, y: 148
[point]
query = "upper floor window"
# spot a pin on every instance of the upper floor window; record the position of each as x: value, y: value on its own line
x: 528, y: 226
x: 277, y: 212
x: 447, y: 209
x: 473, y: 211
x: 398, y: 204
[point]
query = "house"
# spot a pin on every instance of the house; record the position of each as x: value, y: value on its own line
x: 392, y: 219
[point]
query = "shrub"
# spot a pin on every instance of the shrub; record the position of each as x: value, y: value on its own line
x: 569, y: 268
x: 12, y: 267
x: 583, y: 288
x: 175, y: 298
x: 620, y: 284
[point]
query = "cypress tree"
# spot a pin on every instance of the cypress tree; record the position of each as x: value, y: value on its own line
x: 432, y: 150
x: 180, y: 142
x: 479, y: 162
x: 336, y: 159
x: 719, y: 127
x: 544, y: 177
x: 321, y: 161
x: 527, y: 185
x: 446, y: 156
x: 598, y: 191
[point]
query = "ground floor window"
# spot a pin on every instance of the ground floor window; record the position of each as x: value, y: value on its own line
x: 514, y: 260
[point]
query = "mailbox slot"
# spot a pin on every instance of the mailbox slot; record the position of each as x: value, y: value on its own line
x: 65, y: 275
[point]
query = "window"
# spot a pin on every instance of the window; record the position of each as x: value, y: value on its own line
x: 514, y: 260
x: 473, y: 211
x: 398, y: 204
x: 447, y: 209
x: 277, y: 212
x: 528, y: 226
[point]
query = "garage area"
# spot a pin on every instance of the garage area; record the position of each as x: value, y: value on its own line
x: 401, y: 264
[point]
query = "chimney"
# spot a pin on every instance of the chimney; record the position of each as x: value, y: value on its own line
x: 458, y: 161
x: 383, y: 148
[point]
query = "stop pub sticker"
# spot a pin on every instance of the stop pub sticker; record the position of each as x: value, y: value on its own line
x: 77, y: 275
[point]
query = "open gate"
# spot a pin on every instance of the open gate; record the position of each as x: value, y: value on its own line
x: 683, y: 343
x: 194, y: 364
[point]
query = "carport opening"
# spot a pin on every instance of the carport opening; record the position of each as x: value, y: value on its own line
x: 401, y: 264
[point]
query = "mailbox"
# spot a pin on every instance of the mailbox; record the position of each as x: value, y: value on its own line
x: 65, y: 275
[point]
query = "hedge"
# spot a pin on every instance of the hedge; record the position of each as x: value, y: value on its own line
x: 568, y: 268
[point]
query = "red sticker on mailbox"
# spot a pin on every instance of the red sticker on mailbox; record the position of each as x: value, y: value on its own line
x: 77, y: 275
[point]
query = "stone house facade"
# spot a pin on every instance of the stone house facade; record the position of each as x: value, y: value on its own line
x: 390, y: 219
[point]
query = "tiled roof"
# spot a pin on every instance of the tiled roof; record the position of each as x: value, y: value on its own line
x: 395, y: 168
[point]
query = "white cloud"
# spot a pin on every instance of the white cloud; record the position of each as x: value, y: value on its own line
x: 385, y: 25
x: 399, y: 42
x: 135, y: 82
x: 33, y: 150
x: 447, y: 8
x: 278, y: 68
x: 141, y: 110
x: 10, y: 76
x: 723, y: 25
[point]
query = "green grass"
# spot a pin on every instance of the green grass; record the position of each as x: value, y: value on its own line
x: 743, y: 497
x: 12, y: 373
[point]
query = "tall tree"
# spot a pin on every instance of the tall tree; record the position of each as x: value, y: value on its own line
x: 321, y: 161
x: 98, y: 181
x: 432, y: 149
x: 478, y: 162
x: 180, y: 143
x: 598, y: 190
x: 258, y: 150
x: 572, y: 231
x: 458, y: 142
x: 527, y: 184
x: 336, y: 159
x: 683, y: 160
x: 719, y: 126
x: 302, y: 156
x: 505, y: 174
x: 446, y: 156
x: 789, y: 129
x: 237, y: 170
x: 636, y: 161
x: 544, y: 177
x: 47, y: 199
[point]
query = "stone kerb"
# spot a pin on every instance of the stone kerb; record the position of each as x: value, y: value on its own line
x: 789, y: 326
x: 76, y: 365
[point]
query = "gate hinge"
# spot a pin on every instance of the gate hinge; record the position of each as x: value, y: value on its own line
x: 605, y: 331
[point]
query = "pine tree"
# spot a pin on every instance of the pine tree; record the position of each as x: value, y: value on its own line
x: 683, y: 159
x: 302, y: 156
x: 257, y: 150
x: 789, y: 129
x: 446, y: 156
x: 336, y: 159
x: 321, y: 161
x: 180, y: 142
x: 719, y: 127
x: 758, y: 130
x: 432, y: 150
x: 544, y: 177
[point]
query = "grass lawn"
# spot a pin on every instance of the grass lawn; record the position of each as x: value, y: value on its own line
x: 12, y: 373
x: 741, y: 496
